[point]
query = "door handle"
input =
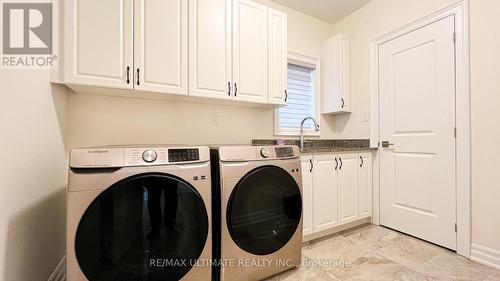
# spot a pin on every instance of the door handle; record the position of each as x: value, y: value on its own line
x: 343, y: 103
x: 229, y: 88
x: 341, y: 164
x: 235, y: 89
x: 128, y: 74
x: 336, y: 164
x: 386, y: 144
x: 312, y: 166
x: 138, y: 77
x: 286, y: 95
x: 362, y: 161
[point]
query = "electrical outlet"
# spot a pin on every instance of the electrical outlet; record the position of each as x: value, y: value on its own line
x: 216, y: 118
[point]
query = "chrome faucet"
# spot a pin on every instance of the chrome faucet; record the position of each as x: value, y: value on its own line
x: 316, y: 126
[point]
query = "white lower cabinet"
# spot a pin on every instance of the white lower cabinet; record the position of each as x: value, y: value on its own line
x: 337, y: 189
x: 324, y: 192
x: 307, y: 194
x: 365, y: 184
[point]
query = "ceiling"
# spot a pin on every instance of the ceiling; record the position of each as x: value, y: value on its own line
x: 327, y: 10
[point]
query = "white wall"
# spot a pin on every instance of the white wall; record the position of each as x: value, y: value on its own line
x: 382, y: 16
x: 98, y: 120
x: 485, y: 74
x: 32, y: 175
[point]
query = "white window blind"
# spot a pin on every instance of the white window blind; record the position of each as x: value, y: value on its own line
x: 300, y: 99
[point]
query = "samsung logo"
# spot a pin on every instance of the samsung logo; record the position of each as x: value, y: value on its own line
x: 98, y: 151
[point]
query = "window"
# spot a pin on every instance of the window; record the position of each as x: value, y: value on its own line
x: 303, y: 96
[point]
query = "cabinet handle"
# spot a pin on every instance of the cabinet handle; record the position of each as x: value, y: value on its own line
x: 343, y: 103
x: 138, y: 77
x: 336, y: 164
x: 312, y: 165
x: 341, y: 164
x: 235, y: 89
x: 286, y: 95
x: 362, y: 161
x: 128, y: 74
x: 229, y: 88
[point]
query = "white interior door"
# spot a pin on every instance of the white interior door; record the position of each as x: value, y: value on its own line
x: 210, y: 56
x: 99, y: 42
x: 417, y: 118
x: 161, y: 49
x: 250, y: 51
x: 325, y: 192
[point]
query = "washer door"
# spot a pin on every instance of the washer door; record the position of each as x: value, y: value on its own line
x: 147, y: 227
x: 264, y: 210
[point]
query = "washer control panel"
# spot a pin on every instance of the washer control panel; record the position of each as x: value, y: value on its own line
x: 183, y: 155
x: 282, y: 152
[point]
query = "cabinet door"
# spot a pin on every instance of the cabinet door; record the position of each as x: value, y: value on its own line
x: 277, y: 57
x: 324, y: 192
x: 335, y: 75
x: 99, y: 43
x: 348, y: 187
x: 307, y: 195
x: 210, y: 48
x: 161, y: 46
x: 365, y: 184
x: 250, y: 51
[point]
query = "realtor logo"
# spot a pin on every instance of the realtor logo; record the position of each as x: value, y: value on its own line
x: 28, y: 34
x: 27, y: 28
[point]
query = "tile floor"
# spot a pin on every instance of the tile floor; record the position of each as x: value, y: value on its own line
x: 374, y: 253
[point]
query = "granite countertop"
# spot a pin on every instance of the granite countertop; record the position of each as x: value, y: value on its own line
x: 312, y: 147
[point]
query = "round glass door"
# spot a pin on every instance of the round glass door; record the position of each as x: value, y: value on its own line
x: 264, y: 210
x: 148, y: 227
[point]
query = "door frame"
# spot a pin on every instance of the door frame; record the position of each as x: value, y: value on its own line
x: 462, y: 103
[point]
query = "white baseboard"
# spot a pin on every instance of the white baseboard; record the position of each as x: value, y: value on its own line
x: 59, y: 273
x: 485, y: 255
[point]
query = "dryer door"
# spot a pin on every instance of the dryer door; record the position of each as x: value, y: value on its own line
x: 147, y: 227
x: 264, y: 210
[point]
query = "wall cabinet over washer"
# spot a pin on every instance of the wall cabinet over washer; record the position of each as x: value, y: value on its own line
x: 237, y: 49
x: 124, y: 44
x: 337, y: 190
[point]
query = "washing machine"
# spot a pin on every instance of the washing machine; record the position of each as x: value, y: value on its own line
x: 260, y: 191
x: 139, y: 213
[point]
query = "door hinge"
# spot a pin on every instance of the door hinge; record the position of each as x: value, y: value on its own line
x: 454, y: 37
x: 455, y: 132
x: 456, y: 228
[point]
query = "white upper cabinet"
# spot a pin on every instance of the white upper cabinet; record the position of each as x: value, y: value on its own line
x: 98, y: 43
x: 307, y: 195
x: 324, y: 192
x: 160, y: 46
x: 210, y: 47
x: 365, y: 184
x: 250, y: 51
x: 278, y: 59
x: 335, y: 75
x: 223, y: 49
x: 348, y: 187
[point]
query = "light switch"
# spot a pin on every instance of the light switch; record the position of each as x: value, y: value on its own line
x: 366, y: 117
